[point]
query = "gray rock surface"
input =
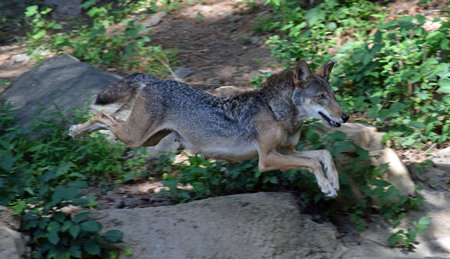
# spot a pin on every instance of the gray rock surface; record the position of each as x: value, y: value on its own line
x: 62, y: 81
x: 154, y: 19
x: 12, y: 243
x: 63, y: 9
x: 259, y: 225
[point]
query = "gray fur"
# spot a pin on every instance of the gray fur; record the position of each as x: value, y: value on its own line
x: 264, y: 123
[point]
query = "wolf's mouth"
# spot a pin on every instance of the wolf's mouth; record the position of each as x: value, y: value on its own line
x: 331, y: 122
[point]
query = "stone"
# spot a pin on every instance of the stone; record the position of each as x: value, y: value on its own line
x: 154, y: 19
x: 63, y: 81
x: 397, y: 173
x: 20, y: 59
x: 365, y: 136
x: 12, y: 243
x: 258, y: 225
x: 368, y: 138
x: 63, y: 9
x: 226, y: 90
x: 257, y: 40
x: 180, y: 74
x: 443, y: 153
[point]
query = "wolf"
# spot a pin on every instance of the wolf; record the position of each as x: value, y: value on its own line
x: 263, y: 123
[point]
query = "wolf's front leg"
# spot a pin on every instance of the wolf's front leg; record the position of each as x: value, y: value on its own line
x: 276, y: 161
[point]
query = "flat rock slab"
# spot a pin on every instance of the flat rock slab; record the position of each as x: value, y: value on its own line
x: 259, y: 225
x: 63, y: 81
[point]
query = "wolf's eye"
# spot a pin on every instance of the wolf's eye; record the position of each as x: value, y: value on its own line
x: 321, y: 96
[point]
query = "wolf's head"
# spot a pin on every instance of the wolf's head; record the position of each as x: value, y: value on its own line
x: 313, y: 95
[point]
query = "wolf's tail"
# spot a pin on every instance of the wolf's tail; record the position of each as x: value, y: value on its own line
x: 125, y: 90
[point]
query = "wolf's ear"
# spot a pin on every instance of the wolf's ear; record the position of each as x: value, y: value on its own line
x: 302, y: 73
x: 325, y: 70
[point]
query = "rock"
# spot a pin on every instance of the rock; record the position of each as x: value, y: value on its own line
x: 365, y: 136
x: 132, y: 202
x: 20, y: 59
x: 12, y: 243
x: 368, y: 138
x: 257, y: 40
x: 397, y: 173
x: 61, y: 81
x: 259, y: 225
x: 235, y: 18
x: 180, y: 74
x: 63, y: 9
x: 226, y: 90
x: 443, y: 153
x: 436, y: 177
x: 154, y: 19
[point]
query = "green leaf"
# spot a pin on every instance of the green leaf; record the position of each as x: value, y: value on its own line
x: 65, y: 193
x: 75, y: 251
x: 444, y: 84
x: 39, y: 34
x: 425, y: 220
x: 57, y: 26
x: 29, y: 190
x: 314, y: 15
x: 74, y: 230
x: 53, y: 237
x: 331, y: 26
x: 396, y: 238
x: 273, y: 180
x: 90, y: 225
x: 91, y: 247
x: 88, y: 4
x: 53, y: 226
x: 445, y: 43
x: 113, y: 236
x: 128, y: 251
x: 31, y: 10
x: 81, y: 217
x: 7, y: 162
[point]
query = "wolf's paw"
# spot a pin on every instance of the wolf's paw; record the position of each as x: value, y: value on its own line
x: 328, y: 189
x: 74, y: 133
x: 332, y: 176
x: 331, y: 193
x: 335, y: 184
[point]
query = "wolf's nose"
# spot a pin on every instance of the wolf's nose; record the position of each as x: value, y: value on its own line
x: 345, y: 118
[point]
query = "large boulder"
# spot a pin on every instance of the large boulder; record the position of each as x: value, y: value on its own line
x: 369, y: 138
x: 63, y: 81
x: 259, y: 225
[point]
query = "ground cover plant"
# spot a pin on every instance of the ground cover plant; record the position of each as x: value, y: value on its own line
x: 98, y: 40
x: 40, y: 177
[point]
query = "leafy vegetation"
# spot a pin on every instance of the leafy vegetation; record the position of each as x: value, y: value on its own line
x: 98, y: 41
x: 40, y: 177
x: 398, y: 75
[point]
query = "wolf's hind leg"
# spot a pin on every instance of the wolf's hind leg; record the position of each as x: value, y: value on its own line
x: 139, y: 129
x: 100, y: 121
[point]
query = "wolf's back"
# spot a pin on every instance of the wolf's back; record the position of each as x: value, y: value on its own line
x: 125, y: 90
